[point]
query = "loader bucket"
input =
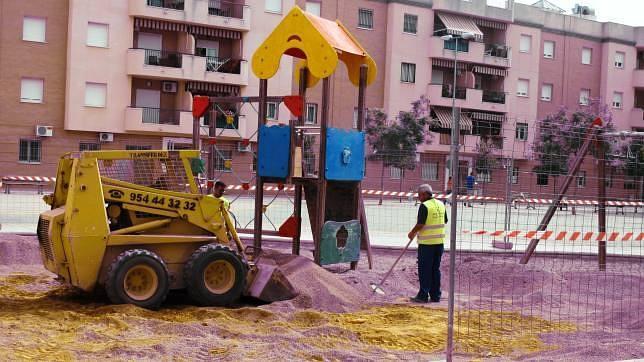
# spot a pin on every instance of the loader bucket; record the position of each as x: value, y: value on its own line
x: 268, y: 282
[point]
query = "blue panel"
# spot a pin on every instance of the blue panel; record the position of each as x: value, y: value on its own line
x: 274, y: 151
x: 344, y: 155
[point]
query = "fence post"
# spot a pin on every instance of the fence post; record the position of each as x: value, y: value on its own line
x: 509, y: 164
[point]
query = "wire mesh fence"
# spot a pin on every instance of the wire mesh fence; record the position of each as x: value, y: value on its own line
x: 507, y: 184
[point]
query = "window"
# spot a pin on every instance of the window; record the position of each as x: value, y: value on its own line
x: 410, y: 24
x: 586, y: 55
x: 137, y: 148
x: 97, y: 35
x: 484, y: 175
x: 274, y: 6
x: 31, y: 90
x: 549, y: 49
x: 542, y: 179
x: 617, y: 99
x: 522, y: 87
x: 395, y: 172
x: 515, y: 175
x: 365, y: 18
x: 525, y: 42
x: 584, y: 97
x: 581, y: 179
x: 311, y: 113
x: 313, y: 7
x: 546, y: 92
x: 89, y: 146
x: 429, y: 171
x: 34, y: 29
x: 355, y: 117
x: 95, y: 94
x: 521, y: 133
x: 463, y: 45
x: 29, y: 151
x: 223, y: 160
x: 408, y: 73
x: 271, y: 110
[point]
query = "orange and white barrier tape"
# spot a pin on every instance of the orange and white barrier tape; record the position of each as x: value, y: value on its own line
x: 581, y: 202
x: 562, y: 235
x: 29, y: 178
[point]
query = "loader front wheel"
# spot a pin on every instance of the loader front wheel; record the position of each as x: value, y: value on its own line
x: 137, y: 277
x: 215, y: 275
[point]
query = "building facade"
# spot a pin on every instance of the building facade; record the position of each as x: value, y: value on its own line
x: 121, y: 74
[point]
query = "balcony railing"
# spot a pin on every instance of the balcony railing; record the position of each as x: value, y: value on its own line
x: 167, y: 4
x: 461, y: 92
x: 497, y: 50
x: 162, y: 58
x: 223, y: 65
x: 493, y: 96
x: 161, y: 116
x: 226, y: 9
x: 222, y: 121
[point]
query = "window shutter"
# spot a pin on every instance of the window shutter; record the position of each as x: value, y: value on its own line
x: 34, y: 29
x: 619, y: 60
x: 313, y: 8
x: 546, y: 92
x: 95, y: 94
x: 31, y: 90
x: 548, y: 49
x: 274, y: 6
x: 617, y: 100
x: 584, y: 96
x: 586, y: 55
x: 522, y: 87
x: 524, y: 44
x: 97, y: 35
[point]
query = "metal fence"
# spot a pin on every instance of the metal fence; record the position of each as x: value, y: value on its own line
x: 561, y: 289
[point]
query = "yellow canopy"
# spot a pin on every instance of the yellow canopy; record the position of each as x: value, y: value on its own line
x: 319, y: 41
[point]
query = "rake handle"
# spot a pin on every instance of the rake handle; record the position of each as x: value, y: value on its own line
x: 396, y: 262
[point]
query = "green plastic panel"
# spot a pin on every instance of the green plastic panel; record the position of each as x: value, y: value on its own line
x: 330, y: 253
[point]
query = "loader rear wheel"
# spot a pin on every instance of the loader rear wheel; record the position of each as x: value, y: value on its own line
x: 137, y: 277
x: 215, y: 275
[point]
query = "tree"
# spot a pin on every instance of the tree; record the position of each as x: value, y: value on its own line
x: 632, y: 161
x: 485, y: 160
x: 560, y: 135
x: 395, y: 142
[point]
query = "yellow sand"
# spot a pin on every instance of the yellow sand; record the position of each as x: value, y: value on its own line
x: 42, y: 320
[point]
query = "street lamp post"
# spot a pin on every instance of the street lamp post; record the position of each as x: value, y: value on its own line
x: 454, y: 148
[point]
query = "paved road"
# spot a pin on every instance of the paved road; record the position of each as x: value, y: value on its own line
x: 390, y: 222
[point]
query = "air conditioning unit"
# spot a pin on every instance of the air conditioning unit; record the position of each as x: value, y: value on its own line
x: 169, y: 87
x: 243, y: 148
x: 44, y: 131
x: 106, y: 137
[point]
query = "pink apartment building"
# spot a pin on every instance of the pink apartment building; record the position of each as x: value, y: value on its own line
x: 128, y: 70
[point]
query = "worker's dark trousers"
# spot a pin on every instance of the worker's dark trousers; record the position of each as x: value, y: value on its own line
x: 429, y: 272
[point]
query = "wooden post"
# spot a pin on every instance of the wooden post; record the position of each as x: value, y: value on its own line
x: 298, y: 186
x: 365, y: 243
x: 555, y: 202
x: 601, y: 196
x: 259, y: 183
x: 321, y: 206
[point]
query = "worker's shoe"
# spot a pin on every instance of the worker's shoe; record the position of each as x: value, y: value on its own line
x: 434, y: 300
x: 417, y: 299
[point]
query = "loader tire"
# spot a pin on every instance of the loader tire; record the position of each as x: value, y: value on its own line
x: 215, y: 275
x: 137, y: 277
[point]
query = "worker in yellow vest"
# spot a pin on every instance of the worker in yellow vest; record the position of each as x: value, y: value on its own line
x: 218, y: 192
x: 430, y: 229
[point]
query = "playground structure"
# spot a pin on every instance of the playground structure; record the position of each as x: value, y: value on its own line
x: 332, y: 189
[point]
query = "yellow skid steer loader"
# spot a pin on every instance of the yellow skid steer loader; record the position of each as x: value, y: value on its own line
x: 135, y: 224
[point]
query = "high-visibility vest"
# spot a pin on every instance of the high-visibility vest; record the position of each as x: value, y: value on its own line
x: 433, y: 233
x: 226, y: 202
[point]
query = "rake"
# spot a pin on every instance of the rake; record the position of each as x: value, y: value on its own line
x: 377, y: 288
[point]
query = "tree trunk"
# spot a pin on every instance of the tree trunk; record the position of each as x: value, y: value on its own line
x: 402, y: 175
x: 382, y: 181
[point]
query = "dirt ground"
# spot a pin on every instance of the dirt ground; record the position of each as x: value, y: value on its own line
x: 549, y: 310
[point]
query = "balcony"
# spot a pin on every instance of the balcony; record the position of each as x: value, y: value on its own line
x: 637, y: 115
x: 158, y: 121
x: 171, y: 65
x: 473, y: 52
x: 231, y: 14
x: 491, y: 96
x: 440, y: 95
